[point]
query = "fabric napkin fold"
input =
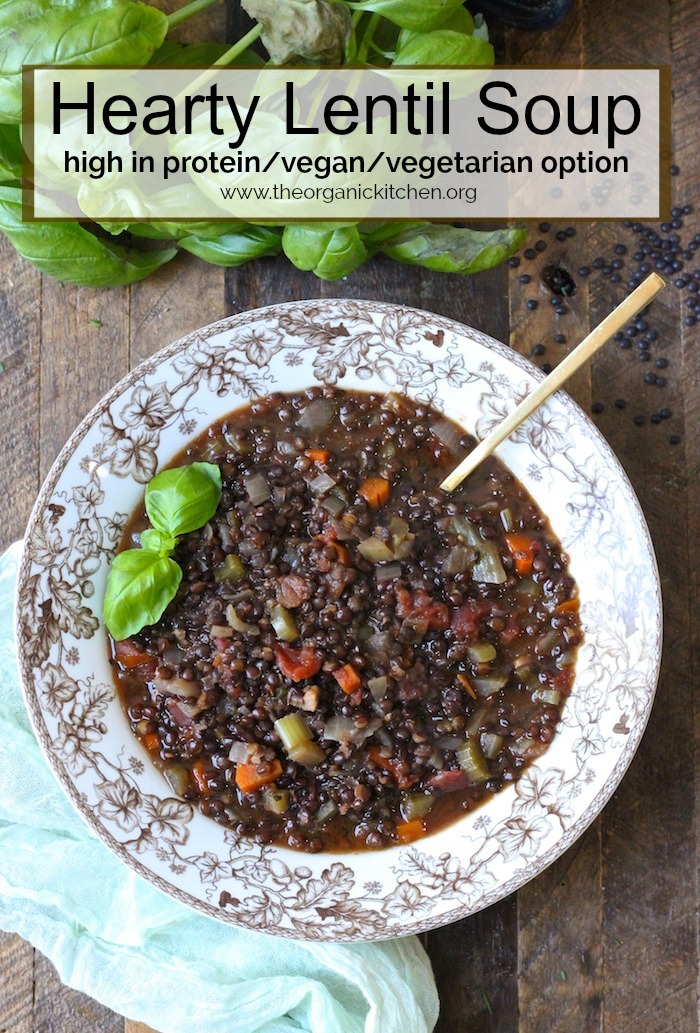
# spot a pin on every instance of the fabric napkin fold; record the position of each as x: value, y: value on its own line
x: 115, y: 937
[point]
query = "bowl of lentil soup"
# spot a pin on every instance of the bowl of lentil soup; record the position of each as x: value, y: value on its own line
x: 371, y: 708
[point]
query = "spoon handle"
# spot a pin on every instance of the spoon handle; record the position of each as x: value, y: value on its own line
x: 625, y: 311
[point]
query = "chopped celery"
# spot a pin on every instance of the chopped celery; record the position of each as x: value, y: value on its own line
x: 308, y: 754
x: 491, y: 744
x: 293, y: 731
x: 283, y: 623
x: 481, y: 652
x: 416, y: 805
x: 275, y: 800
x: 471, y: 759
x: 231, y: 570
x: 177, y: 778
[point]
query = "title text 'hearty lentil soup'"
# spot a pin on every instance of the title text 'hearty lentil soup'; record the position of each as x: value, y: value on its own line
x: 353, y: 658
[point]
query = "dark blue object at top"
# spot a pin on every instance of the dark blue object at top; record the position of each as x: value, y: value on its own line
x: 524, y: 14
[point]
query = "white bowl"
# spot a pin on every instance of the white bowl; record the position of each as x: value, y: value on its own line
x: 78, y: 520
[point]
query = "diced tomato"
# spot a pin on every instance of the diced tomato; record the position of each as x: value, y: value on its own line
x: 292, y: 590
x: 448, y: 781
x: 465, y: 619
x: 297, y: 664
x: 130, y: 654
x: 328, y: 534
x: 512, y: 630
x: 421, y: 604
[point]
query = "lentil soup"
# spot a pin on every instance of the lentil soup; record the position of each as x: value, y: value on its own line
x: 353, y: 658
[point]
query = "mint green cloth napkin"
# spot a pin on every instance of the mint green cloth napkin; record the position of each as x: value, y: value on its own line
x: 120, y: 940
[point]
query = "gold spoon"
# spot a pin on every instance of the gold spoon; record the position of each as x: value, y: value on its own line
x: 625, y: 311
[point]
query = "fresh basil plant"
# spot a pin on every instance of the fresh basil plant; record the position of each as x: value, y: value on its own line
x: 141, y: 582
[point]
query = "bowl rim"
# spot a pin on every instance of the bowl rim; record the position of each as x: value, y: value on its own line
x: 231, y: 323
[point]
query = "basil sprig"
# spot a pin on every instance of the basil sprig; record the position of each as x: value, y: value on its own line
x: 141, y: 582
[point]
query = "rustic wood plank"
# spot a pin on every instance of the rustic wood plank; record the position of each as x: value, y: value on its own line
x: 177, y: 299
x: 84, y: 352
x: 58, y: 1009
x: 16, y: 984
x: 20, y: 310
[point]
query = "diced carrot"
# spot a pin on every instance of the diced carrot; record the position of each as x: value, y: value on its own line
x: 376, y: 491
x: 394, y: 767
x: 151, y: 741
x: 408, y: 831
x: 466, y: 684
x: 342, y: 554
x: 200, y: 776
x: 348, y: 679
x: 318, y: 455
x: 568, y: 606
x: 130, y: 654
x: 523, y: 550
x: 248, y: 778
x: 297, y: 664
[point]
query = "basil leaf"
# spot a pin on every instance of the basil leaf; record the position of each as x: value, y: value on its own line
x: 330, y: 250
x: 173, y: 230
x: 418, y: 15
x: 139, y: 587
x: 232, y: 249
x: 155, y: 541
x: 445, y: 47
x: 71, y: 253
x: 192, y: 55
x: 10, y: 153
x: 450, y: 249
x: 91, y: 32
x: 183, y: 498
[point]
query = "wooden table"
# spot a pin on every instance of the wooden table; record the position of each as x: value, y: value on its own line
x: 607, y: 938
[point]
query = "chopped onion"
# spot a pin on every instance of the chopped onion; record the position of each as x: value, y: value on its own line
x: 550, y: 696
x: 344, y: 729
x: 221, y: 631
x: 481, y: 652
x: 283, y: 623
x: 459, y: 559
x: 379, y: 644
x: 485, y: 687
x: 238, y: 625
x: 238, y: 752
x: 378, y: 687
x: 292, y: 556
x: 526, y: 747
x: 449, y: 742
x: 177, y: 687
x: 257, y: 488
x: 529, y: 587
x: 322, y: 484
x: 488, y: 567
x: 177, y: 778
x: 317, y: 414
x: 374, y: 550
x: 449, y: 434
x: 387, y: 572
x: 507, y: 519
x: 286, y: 448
